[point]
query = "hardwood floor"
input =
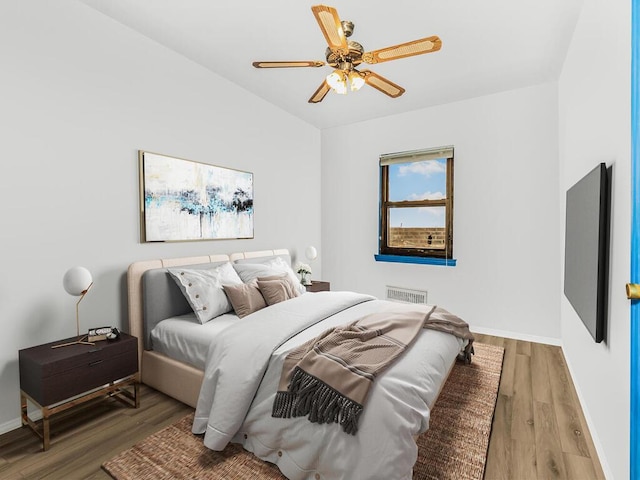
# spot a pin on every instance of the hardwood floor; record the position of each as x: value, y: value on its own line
x: 85, y: 437
x: 539, y: 431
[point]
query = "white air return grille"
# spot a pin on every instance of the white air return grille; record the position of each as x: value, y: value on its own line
x: 406, y: 295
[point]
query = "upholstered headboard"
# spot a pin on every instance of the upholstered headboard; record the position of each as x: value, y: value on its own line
x: 136, y: 293
x: 162, y: 298
x: 239, y: 256
x: 154, y: 296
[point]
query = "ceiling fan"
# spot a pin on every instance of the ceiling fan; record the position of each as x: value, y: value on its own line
x: 344, y: 55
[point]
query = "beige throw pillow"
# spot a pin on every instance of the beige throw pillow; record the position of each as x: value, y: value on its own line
x: 277, y: 289
x: 245, y: 298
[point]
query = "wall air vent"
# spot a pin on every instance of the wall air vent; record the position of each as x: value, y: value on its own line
x: 406, y: 295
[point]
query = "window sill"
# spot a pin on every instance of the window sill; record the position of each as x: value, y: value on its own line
x: 444, y: 262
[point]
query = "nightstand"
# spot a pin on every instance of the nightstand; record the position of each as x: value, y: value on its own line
x: 318, y: 286
x: 56, y: 379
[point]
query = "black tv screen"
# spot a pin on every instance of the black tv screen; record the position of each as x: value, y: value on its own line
x: 586, y: 256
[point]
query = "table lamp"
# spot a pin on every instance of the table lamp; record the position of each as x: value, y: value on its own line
x: 77, y: 281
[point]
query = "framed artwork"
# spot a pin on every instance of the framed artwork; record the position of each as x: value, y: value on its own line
x: 183, y: 200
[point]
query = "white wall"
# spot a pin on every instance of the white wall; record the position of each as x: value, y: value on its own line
x: 80, y: 94
x: 506, y: 214
x: 594, y: 99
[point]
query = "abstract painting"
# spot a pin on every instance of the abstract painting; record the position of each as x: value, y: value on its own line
x: 186, y: 200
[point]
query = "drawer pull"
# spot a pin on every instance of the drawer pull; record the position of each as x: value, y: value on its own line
x: 94, y: 350
x: 93, y: 364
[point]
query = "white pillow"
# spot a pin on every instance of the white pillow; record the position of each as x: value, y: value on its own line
x: 250, y: 271
x: 203, y: 289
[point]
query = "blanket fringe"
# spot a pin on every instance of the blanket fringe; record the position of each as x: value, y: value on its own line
x: 465, y: 355
x: 307, y: 395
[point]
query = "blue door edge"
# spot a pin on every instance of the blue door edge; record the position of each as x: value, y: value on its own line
x: 634, y: 445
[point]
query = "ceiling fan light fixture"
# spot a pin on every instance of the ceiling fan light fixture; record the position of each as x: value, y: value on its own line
x: 356, y: 80
x: 337, y: 80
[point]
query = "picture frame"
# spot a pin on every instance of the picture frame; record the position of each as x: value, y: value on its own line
x: 184, y: 200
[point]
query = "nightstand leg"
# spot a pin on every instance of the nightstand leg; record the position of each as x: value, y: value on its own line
x: 45, y: 428
x: 46, y: 413
x: 23, y: 409
x: 136, y: 392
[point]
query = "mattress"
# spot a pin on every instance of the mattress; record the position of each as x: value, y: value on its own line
x: 185, y: 339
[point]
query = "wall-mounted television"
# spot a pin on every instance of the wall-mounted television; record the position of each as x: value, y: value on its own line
x: 586, y: 253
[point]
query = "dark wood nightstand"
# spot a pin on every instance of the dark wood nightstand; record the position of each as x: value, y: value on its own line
x: 318, y: 286
x: 56, y: 379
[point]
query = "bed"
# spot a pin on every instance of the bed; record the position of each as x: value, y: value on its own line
x: 231, y: 379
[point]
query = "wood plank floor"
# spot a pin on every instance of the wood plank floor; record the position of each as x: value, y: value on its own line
x: 539, y: 431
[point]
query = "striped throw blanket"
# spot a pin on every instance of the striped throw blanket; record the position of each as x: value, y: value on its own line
x: 328, y: 378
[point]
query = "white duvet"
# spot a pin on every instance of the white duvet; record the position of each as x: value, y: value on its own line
x: 241, y: 379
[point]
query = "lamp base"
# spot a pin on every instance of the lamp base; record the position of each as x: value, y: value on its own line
x: 80, y: 341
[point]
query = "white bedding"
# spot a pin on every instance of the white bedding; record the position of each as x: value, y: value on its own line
x: 242, y: 375
x: 185, y: 339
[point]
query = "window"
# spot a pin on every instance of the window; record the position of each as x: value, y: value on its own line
x: 416, y: 203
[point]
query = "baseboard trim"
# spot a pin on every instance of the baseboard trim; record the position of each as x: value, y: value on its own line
x: 518, y: 336
x: 6, y: 427
x: 16, y: 423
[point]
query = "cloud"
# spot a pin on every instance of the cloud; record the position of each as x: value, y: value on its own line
x: 427, y: 196
x: 422, y: 168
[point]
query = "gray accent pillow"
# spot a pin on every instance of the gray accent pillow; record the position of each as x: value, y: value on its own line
x: 272, y: 266
x: 203, y: 289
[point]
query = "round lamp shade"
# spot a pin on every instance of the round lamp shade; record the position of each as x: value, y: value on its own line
x: 311, y: 253
x: 77, y: 280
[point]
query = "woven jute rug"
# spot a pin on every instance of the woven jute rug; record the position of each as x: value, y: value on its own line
x: 454, y: 447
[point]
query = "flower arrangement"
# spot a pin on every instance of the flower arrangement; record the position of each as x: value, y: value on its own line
x: 303, y: 270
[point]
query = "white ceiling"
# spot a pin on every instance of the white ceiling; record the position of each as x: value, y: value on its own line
x: 487, y: 47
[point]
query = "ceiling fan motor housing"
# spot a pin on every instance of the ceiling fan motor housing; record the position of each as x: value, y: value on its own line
x: 354, y: 56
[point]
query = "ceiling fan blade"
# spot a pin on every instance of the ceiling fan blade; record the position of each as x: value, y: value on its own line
x: 287, y: 64
x: 409, y: 49
x: 331, y: 27
x: 380, y: 83
x: 320, y: 93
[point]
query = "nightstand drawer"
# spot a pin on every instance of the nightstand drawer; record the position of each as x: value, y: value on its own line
x: 51, y: 375
x: 318, y: 286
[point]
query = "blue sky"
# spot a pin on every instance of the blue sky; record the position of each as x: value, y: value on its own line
x: 418, y: 181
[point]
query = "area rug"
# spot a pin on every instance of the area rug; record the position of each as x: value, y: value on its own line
x: 454, y: 447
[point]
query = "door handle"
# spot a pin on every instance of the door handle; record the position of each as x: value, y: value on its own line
x: 633, y: 291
